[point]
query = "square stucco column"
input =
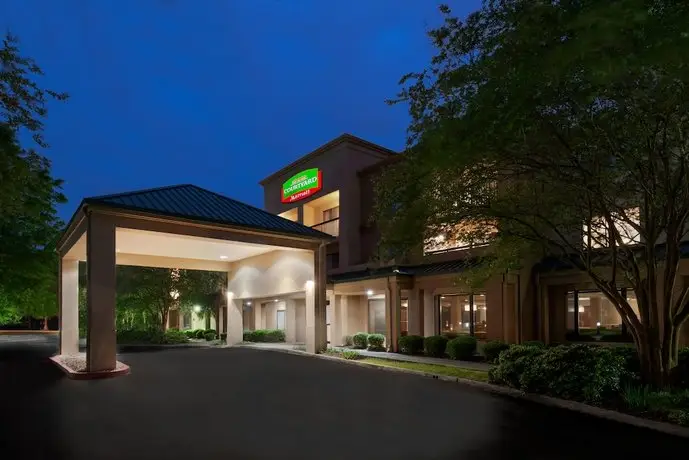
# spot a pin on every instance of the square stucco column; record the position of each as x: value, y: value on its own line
x: 393, y: 313
x: 69, y: 307
x: 234, y: 320
x: 315, y: 305
x: 257, y: 311
x: 430, y: 317
x: 101, y: 347
x: 291, y: 320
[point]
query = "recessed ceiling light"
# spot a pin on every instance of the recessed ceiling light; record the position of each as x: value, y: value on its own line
x: 369, y: 292
x: 248, y: 303
x: 223, y: 257
x: 276, y: 300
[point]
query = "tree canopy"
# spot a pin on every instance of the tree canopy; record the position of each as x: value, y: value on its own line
x: 29, y: 225
x: 557, y: 128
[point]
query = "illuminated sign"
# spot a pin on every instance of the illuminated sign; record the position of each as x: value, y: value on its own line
x: 302, y: 185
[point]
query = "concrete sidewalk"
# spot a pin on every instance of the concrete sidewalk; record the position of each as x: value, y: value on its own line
x: 382, y: 355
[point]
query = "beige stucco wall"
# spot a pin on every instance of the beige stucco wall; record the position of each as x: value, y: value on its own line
x: 271, y: 274
x: 199, y: 322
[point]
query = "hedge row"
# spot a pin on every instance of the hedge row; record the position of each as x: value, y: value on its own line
x: 201, y: 334
x: 361, y: 340
x: 151, y: 336
x: 264, y: 335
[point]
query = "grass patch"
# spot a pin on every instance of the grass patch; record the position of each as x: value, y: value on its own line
x: 470, y: 374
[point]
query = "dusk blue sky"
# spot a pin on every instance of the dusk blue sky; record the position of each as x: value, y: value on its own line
x: 218, y: 93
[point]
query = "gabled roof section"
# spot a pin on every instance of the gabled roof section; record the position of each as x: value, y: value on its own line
x: 328, y: 146
x: 191, y: 202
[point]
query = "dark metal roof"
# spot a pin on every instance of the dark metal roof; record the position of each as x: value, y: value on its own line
x: 437, y: 268
x: 195, y: 203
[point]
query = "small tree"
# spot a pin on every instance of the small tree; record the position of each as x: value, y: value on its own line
x: 558, y: 128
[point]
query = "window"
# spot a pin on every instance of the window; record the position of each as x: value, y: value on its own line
x: 404, y: 317
x: 376, y: 316
x: 592, y: 316
x: 280, y: 320
x: 463, y: 314
x: 186, y: 321
x: 332, y: 213
x: 600, y: 237
x: 459, y: 236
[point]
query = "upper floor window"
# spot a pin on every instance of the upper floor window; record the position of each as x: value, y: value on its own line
x: 332, y: 213
x: 598, y: 234
x: 460, y: 236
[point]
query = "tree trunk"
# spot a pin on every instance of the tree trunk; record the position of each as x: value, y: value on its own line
x: 45, y: 323
x: 658, y: 358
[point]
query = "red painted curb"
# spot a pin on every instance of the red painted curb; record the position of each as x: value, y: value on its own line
x: 90, y: 375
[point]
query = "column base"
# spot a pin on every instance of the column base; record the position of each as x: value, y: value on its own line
x: 74, y: 366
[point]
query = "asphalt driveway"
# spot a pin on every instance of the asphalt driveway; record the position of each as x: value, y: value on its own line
x: 251, y: 404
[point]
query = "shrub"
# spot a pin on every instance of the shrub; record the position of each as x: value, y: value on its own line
x: 578, y: 372
x: 173, y: 336
x: 493, y: 349
x: 348, y: 341
x: 512, y: 363
x: 683, y: 367
x: 211, y: 330
x: 631, y: 375
x: 247, y: 336
x: 351, y: 354
x: 275, y: 335
x: 223, y: 337
x: 435, y: 346
x: 411, y: 344
x: 534, y: 343
x: 450, y: 335
x: 360, y: 340
x: 129, y: 336
x: 199, y: 333
x: 375, y: 342
x: 463, y: 347
x: 190, y: 333
x: 210, y: 336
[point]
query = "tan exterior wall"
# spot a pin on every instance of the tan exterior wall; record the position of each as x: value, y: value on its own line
x: 271, y: 274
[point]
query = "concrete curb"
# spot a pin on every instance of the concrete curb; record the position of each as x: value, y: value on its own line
x: 81, y: 375
x: 662, y: 427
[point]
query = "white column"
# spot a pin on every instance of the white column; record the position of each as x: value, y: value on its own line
x: 291, y: 319
x: 315, y: 305
x: 221, y: 321
x: 234, y: 326
x: 393, y: 312
x: 344, y: 316
x: 336, y: 334
x: 310, y: 317
x: 430, y: 318
x: 69, y: 307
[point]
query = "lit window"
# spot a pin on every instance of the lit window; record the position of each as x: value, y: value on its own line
x: 600, y: 236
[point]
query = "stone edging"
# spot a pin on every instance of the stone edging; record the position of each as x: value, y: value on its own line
x: 662, y: 427
x: 74, y: 375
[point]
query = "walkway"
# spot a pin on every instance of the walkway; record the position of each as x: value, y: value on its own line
x: 245, y: 404
x: 382, y: 355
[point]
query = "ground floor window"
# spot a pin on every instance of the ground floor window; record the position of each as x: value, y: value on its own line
x: 376, y: 316
x: 186, y: 321
x: 281, y: 319
x: 592, y: 316
x: 404, y: 317
x: 463, y: 314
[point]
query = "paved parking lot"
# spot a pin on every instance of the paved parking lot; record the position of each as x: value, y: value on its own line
x: 253, y: 404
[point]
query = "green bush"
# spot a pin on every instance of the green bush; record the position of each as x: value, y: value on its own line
x: 411, y: 344
x: 212, y: 330
x: 375, y: 342
x: 534, y: 343
x: 264, y: 335
x: 435, y: 346
x: 463, y: 347
x: 199, y: 333
x: 669, y: 405
x: 174, y: 336
x: 223, y: 337
x: 275, y: 335
x: 632, y: 366
x: 360, y: 340
x: 451, y: 335
x: 578, y: 372
x: 351, y: 354
x: 348, y: 341
x: 210, y: 336
x: 190, y: 333
x: 492, y: 350
x: 247, y: 335
x: 135, y: 336
x: 512, y: 363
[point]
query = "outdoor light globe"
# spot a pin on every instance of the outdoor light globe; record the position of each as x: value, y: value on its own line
x: 369, y: 292
x: 598, y: 324
x: 197, y: 308
x: 309, y: 284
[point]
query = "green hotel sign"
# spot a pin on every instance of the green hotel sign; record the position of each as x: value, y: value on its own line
x: 302, y: 185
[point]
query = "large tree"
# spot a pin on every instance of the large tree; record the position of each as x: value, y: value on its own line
x: 557, y: 128
x: 28, y: 193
